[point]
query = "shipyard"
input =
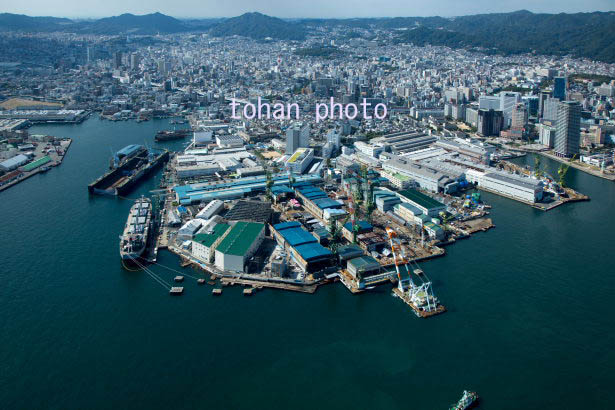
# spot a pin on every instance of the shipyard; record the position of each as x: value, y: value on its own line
x: 226, y: 205
x: 297, y: 216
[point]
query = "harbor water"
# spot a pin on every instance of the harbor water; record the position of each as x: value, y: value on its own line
x: 530, y: 321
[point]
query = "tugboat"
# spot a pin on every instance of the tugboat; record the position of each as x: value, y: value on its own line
x: 134, y: 238
x: 466, y: 401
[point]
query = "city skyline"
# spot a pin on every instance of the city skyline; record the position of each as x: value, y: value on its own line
x: 316, y: 9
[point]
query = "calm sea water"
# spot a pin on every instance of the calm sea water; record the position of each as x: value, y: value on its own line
x: 531, y: 322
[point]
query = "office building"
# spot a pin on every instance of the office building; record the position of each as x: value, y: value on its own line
x: 546, y: 135
x: 297, y: 136
x: 490, y: 122
x: 519, y: 116
x: 300, y: 160
x: 117, y: 59
x: 550, y: 109
x: 559, y: 88
x: 489, y: 102
x: 568, y: 129
x: 508, y: 100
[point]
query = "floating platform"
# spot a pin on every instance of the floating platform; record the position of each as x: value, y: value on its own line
x: 176, y: 290
x: 248, y: 291
x: 216, y: 292
x: 417, y: 310
x: 178, y: 279
x: 200, y: 281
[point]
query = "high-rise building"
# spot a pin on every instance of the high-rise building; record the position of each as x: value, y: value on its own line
x: 297, y: 136
x: 544, y: 95
x: 559, y: 88
x: 568, y: 129
x: 532, y: 103
x: 117, y: 59
x: 550, y: 109
x: 546, y: 135
x: 489, y: 102
x: 490, y: 122
x: 334, y: 139
x: 519, y: 116
x: 134, y: 61
x: 507, y: 101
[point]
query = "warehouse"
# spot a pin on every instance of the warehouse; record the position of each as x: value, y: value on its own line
x: 516, y: 187
x: 428, y: 178
x: 238, y: 245
x: 409, y: 213
x: 405, y: 141
x: 255, y: 211
x: 347, y: 252
x: 196, y: 170
x: 204, y: 244
x: 363, y: 266
x: 187, y: 231
x: 316, y: 201
x: 211, y: 209
x: 229, y: 141
x: 191, y: 194
x: 13, y: 163
x: 361, y: 227
x: 385, y: 200
x: 303, y: 247
x: 425, y: 203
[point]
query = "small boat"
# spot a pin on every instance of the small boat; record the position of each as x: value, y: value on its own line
x: 179, y: 279
x: 176, y: 290
x: 200, y: 281
x: 467, y: 400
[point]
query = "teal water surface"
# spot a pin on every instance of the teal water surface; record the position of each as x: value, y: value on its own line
x: 530, y: 321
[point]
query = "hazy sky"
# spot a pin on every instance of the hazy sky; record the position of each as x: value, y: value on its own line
x: 293, y: 8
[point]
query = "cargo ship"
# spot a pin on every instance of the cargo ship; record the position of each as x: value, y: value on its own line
x: 467, y: 400
x: 133, y: 241
x: 128, y: 166
x: 169, y: 135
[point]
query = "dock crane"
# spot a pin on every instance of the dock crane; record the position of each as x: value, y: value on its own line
x: 402, y: 284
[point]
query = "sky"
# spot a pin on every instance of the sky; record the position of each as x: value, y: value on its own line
x: 297, y: 8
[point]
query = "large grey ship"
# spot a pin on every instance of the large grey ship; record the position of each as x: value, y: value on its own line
x: 133, y: 241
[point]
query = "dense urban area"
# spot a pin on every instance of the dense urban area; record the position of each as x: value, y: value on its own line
x: 296, y: 203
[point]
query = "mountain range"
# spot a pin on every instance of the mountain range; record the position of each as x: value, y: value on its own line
x: 580, y: 34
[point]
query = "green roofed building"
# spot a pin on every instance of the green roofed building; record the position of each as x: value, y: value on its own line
x: 425, y: 203
x: 204, y: 244
x: 238, y: 245
x: 38, y: 163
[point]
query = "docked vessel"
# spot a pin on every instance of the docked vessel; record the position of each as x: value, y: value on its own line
x: 466, y: 401
x: 128, y: 166
x: 168, y: 135
x: 133, y: 241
